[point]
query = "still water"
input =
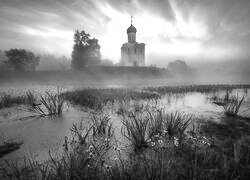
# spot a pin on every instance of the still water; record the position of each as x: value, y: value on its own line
x: 41, y: 135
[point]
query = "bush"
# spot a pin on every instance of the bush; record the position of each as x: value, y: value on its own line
x: 21, y: 60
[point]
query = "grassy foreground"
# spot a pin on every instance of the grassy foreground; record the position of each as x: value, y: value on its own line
x: 159, y: 145
x: 154, y: 143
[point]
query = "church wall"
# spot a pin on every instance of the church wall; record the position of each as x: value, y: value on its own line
x: 133, y: 54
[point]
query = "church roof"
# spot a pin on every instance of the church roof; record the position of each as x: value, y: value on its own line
x: 131, y: 29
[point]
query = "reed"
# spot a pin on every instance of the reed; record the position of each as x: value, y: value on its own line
x: 102, y: 127
x: 155, y: 123
x: 176, y: 123
x: 50, y: 104
x: 93, y: 160
x: 135, y: 128
x: 8, y: 100
x: 195, y: 88
x: 232, y: 107
x: 97, y: 98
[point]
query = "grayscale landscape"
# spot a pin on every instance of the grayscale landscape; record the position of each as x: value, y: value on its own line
x: 112, y: 89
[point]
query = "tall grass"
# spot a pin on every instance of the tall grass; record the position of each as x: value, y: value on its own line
x: 176, y: 123
x: 135, y: 129
x: 160, y: 160
x: 195, y: 88
x: 50, y: 104
x: 8, y: 100
x: 97, y: 98
x: 232, y: 107
x: 155, y: 123
x: 163, y: 149
x: 147, y: 126
x: 102, y: 126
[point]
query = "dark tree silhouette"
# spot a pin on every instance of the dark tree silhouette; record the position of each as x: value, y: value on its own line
x: 21, y: 60
x: 86, y: 51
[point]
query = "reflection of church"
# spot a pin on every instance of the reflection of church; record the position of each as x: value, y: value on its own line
x: 132, y: 53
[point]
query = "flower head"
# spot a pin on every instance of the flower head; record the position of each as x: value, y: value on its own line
x: 107, y: 139
x: 152, y: 143
x: 176, y: 141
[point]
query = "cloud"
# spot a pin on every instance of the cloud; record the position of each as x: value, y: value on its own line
x: 191, y: 29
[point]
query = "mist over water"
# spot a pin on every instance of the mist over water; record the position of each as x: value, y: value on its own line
x: 104, y: 88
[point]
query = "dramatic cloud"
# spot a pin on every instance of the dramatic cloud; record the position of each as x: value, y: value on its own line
x: 172, y: 29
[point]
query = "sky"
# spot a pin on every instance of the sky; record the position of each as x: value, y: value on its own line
x: 192, y: 30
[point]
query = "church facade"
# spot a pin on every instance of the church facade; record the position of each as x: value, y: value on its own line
x: 132, y: 53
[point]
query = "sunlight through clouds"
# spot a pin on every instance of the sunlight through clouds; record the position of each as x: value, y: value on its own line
x: 179, y: 37
x: 49, y: 33
x: 169, y: 28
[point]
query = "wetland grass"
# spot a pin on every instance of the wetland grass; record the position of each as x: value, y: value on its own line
x: 144, y: 127
x: 135, y: 129
x: 50, y: 104
x: 97, y: 98
x: 232, y: 106
x: 162, y: 147
x: 176, y: 123
x: 195, y: 88
x: 161, y: 159
x: 102, y: 126
x: 9, y: 100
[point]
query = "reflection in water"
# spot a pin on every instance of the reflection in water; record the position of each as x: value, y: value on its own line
x: 43, y: 134
x: 40, y: 134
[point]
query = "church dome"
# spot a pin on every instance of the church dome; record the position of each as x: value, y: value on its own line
x: 131, y: 29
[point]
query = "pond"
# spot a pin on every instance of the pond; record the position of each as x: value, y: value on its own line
x: 43, y: 134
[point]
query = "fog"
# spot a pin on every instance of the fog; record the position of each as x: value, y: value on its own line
x: 190, y: 30
x: 211, y: 37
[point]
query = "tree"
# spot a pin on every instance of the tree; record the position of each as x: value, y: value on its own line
x: 86, y: 51
x: 21, y: 60
x: 178, y: 67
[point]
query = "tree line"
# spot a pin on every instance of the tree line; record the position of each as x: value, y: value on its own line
x: 86, y: 52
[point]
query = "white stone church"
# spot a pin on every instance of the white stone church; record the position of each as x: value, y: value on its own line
x: 132, y: 53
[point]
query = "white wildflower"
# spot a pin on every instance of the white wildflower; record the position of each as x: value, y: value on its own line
x: 152, y: 143
x: 176, y: 141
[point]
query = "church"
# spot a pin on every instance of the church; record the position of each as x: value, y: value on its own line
x: 132, y: 53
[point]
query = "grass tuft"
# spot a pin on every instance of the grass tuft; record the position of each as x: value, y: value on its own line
x: 135, y: 129
x: 232, y: 107
x: 50, y: 104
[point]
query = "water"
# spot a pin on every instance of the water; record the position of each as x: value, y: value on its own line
x: 201, y: 105
x: 41, y: 135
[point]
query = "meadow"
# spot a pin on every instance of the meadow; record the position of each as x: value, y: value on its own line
x: 163, y: 132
